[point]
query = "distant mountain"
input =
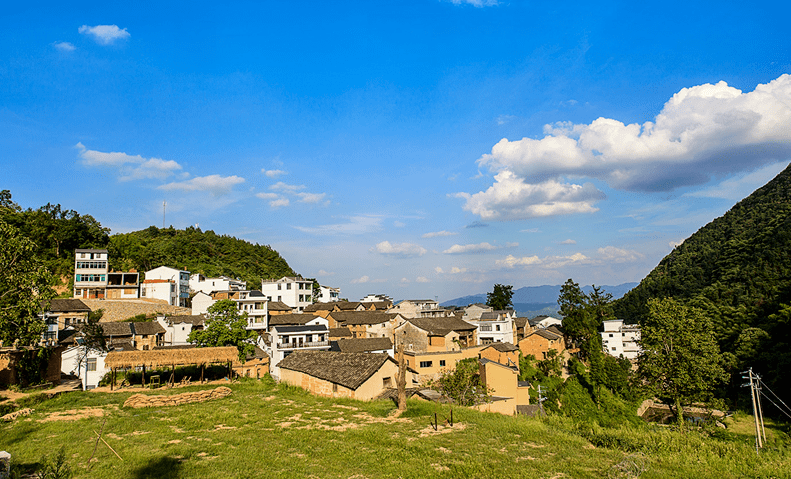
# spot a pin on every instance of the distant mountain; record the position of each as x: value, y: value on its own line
x: 738, y: 270
x: 538, y: 299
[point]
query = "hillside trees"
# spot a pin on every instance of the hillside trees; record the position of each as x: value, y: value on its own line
x: 24, y: 285
x: 680, y: 358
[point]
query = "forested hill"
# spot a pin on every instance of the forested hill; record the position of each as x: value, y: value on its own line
x: 738, y: 270
x: 197, y: 251
x: 58, y: 232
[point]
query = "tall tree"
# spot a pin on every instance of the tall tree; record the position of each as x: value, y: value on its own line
x: 225, y: 326
x: 583, y: 315
x: 464, y: 384
x: 681, y: 358
x: 24, y: 285
x: 500, y: 297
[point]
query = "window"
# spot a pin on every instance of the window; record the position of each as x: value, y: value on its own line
x: 498, y: 327
x: 610, y: 334
x: 441, y: 362
x: 486, y: 327
x: 387, y: 382
x: 280, y: 298
x: 279, y: 286
x: 613, y: 348
x: 288, y: 286
x: 91, y: 364
x: 426, y: 364
x: 301, y: 286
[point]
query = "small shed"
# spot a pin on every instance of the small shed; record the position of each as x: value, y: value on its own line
x: 171, y: 357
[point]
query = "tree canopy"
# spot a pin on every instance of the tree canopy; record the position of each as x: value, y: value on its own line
x: 500, y: 297
x: 225, y: 326
x: 463, y: 384
x: 680, y: 357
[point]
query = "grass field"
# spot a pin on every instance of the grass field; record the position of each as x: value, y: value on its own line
x: 274, y: 431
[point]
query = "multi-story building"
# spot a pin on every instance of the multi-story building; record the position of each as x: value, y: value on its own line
x: 284, y: 340
x: 168, y: 284
x: 293, y: 291
x: 90, y: 273
x: 328, y: 294
x: 620, y: 339
x: 420, y: 308
x: 123, y: 285
x: 198, y: 282
x: 495, y: 326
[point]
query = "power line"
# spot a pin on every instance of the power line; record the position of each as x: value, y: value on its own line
x: 778, y: 407
x: 763, y: 384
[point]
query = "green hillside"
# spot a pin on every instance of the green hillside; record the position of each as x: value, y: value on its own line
x: 58, y: 232
x: 738, y: 270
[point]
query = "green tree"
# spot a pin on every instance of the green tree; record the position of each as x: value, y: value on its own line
x: 225, y: 326
x: 463, y: 385
x: 583, y: 315
x: 681, y: 359
x: 500, y: 297
x: 24, y: 286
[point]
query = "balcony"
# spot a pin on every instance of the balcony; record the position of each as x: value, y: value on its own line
x: 303, y: 344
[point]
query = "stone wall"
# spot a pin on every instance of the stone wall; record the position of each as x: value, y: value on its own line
x: 124, y: 309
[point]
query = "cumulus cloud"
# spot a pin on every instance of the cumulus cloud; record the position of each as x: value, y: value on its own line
x: 130, y: 167
x: 267, y: 196
x: 272, y: 173
x: 549, y: 262
x: 510, y: 261
x: 422, y: 279
x: 438, y: 270
x: 215, y: 184
x: 510, y: 198
x: 104, y: 34
x: 568, y: 241
x: 455, y: 270
x: 64, y: 46
x: 476, y: 3
x: 281, y: 186
x: 405, y: 250
x: 436, y: 234
x: 405, y: 281
x: 470, y: 248
x: 311, y: 198
x: 325, y: 273
x: 360, y: 280
x: 278, y: 203
x: 355, y: 225
x: 611, y: 254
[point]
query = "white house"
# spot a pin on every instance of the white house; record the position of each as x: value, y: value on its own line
x: 255, y: 304
x: 495, y: 326
x: 168, y: 284
x: 284, y: 340
x: 620, y: 339
x: 420, y: 308
x: 296, y: 292
x: 198, y: 282
x: 473, y: 312
x: 376, y: 298
x: 178, y: 328
x: 328, y: 294
x: 90, y: 273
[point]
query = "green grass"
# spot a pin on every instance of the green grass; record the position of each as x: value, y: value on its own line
x: 265, y: 430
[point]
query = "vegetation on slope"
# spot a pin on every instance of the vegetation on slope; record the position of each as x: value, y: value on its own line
x: 737, y: 269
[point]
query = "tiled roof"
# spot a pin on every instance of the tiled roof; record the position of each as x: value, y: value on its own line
x: 278, y: 306
x: 380, y: 304
x: 147, y: 328
x: 490, y: 316
x: 362, y: 317
x: 555, y: 329
x: 362, y: 345
x: 67, y: 336
x: 116, y: 329
x: 350, y: 370
x: 301, y: 329
x: 293, y: 318
x: 489, y: 361
x: 343, y: 332
x: 441, y: 326
x: 195, y: 320
x: 312, y: 308
x: 547, y: 334
x: 503, y: 347
x: 520, y: 322
x: 255, y: 294
x: 67, y: 306
x: 347, y: 305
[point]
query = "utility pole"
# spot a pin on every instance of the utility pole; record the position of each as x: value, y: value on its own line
x: 760, y: 409
x: 756, y: 410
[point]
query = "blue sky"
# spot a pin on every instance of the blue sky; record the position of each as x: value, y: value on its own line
x: 420, y: 149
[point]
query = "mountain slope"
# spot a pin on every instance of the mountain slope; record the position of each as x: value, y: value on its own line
x: 538, y: 297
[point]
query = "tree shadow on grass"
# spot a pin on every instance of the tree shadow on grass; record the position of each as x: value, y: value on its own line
x: 158, y: 468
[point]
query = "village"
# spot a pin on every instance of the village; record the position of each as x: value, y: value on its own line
x: 328, y: 346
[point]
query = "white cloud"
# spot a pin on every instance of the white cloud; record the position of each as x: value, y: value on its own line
x: 399, y: 249
x: 568, y: 241
x: 278, y: 203
x: 399, y: 224
x: 356, y: 225
x: 64, y: 46
x: 130, y: 167
x: 267, y: 196
x: 280, y: 186
x: 325, y: 273
x: 436, y: 234
x: 422, y: 279
x: 470, y: 248
x: 702, y: 131
x: 611, y: 254
x: 674, y: 244
x: 360, y: 280
x: 405, y: 281
x: 476, y: 3
x: 549, y: 262
x: 510, y: 198
x: 503, y: 119
x: 273, y: 173
x: 510, y: 261
x: 311, y: 198
x: 438, y: 270
x: 215, y: 184
x: 104, y: 34
x: 530, y: 230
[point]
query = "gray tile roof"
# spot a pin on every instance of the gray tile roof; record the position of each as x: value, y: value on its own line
x: 350, y: 370
x: 290, y: 319
x: 300, y: 329
x: 362, y: 317
x: 116, y: 329
x: 67, y: 306
x: 442, y: 326
x: 195, y: 320
x: 503, y: 347
x: 147, y: 328
x: 362, y: 345
x: 278, y: 306
x: 547, y: 334
x: 343, y: 332
x: 520, y: 322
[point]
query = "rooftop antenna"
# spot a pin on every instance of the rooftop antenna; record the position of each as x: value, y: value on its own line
x: 164, y: 204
